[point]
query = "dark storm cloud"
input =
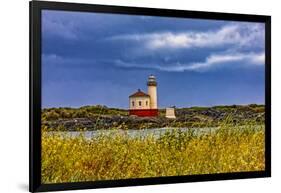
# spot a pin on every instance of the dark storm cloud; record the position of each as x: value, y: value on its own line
x: 84, y: 52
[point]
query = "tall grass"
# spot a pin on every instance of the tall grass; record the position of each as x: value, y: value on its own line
x: 229, y: 149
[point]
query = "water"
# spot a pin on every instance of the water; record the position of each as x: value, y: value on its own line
x: 134, y: 133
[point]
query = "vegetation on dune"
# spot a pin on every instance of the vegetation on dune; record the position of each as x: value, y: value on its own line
x: 49, y: 114
x: 231, y: 148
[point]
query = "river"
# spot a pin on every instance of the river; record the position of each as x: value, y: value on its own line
x: 134, y: 133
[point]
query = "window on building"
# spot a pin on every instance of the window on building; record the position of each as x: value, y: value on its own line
x: 146, y: 102
x: 139, y: 103
x: 133, y: 103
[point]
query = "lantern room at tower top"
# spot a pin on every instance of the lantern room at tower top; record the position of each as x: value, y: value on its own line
x: 145, y: 104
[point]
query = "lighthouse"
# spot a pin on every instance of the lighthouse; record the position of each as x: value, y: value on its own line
x: 152, y: 91
x: 142, y: 104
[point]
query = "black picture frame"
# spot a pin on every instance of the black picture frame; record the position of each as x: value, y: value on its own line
x: 36, y: 7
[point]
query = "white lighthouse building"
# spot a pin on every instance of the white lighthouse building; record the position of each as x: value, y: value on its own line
x: 142, y: 104
x: 152, y: 91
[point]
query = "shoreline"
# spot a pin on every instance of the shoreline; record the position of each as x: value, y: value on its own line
x: 99, y: 117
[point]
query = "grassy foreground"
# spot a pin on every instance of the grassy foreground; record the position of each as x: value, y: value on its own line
x: 229, y: 149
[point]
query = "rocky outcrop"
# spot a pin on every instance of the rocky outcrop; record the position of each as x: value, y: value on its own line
x: 185, y: 117
x: 107, y: 122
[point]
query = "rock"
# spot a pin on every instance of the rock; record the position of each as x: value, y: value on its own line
x: 185, y: 117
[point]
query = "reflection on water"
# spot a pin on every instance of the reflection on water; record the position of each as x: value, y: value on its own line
x: 134, y: 133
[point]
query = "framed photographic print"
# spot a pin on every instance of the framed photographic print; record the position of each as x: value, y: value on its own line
x: 125, y: 96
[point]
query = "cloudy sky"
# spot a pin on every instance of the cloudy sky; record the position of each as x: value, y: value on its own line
x: 96, y: 58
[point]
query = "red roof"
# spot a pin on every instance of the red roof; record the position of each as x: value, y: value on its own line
x: 139, y: 93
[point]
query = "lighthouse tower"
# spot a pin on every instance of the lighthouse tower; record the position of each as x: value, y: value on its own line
x: 152, y: 91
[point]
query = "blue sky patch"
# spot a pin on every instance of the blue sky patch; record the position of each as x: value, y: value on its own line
x: 97, y: 58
